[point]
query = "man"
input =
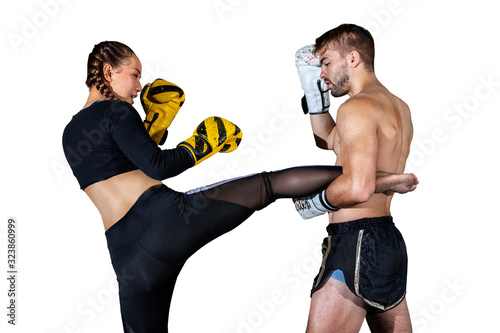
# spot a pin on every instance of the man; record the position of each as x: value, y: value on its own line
x: 364, y: 268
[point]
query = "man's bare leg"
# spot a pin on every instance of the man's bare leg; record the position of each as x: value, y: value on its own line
x: 396, y: 320
x: 334, y: 308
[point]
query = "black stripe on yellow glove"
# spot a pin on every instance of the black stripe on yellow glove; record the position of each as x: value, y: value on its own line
x: 161, y: 100
x: 213, y: 135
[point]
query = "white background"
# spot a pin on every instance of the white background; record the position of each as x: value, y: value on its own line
x: 235, y: 58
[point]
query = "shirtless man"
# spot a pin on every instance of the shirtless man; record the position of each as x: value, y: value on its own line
x: 363, y: 274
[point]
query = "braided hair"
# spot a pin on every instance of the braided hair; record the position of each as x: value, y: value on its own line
x: 113, y: 53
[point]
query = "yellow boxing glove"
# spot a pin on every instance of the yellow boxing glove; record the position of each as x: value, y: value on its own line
x: 161, y: 100
x: 232, y: 143
x: 213, y: 135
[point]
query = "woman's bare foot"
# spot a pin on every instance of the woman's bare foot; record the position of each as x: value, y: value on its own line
x: 395, y: 182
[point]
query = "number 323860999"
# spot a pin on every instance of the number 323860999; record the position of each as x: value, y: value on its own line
x: 11, y: 252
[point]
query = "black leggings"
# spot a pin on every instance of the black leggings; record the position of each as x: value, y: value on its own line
x: 151, y: 243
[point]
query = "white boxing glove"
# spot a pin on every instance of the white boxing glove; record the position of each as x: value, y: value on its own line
x: 314, y: 205
x: 316, y: 98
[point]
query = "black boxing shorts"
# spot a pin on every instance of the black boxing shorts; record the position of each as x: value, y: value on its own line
x: 371, y: 254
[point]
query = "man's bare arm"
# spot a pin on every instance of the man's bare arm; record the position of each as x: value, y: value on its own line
x: 357, y: 129
x: 324, y: 128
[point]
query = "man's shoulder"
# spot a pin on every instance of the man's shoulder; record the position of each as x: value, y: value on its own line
x: 372, y: 104
x: 360, y: 100
x: 359, y: 106
x: 356, y: 114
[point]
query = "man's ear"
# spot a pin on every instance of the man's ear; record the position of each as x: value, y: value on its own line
x: 354, y: 59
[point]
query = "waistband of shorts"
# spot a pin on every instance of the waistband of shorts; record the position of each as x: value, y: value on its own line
x: 127, y: 226
x: 356, y: 225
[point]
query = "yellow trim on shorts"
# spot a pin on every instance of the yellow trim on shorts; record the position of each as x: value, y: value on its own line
x: 356, y: 279
x: 323, y: 264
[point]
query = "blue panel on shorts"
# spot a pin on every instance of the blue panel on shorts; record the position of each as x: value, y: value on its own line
x: 338, y: 275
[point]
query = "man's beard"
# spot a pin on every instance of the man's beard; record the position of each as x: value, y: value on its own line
x: 341, y: 85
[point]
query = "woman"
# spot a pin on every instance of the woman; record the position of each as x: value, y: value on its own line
x: 151, y: 229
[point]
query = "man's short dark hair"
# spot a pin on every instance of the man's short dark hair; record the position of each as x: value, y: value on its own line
x: 346, y: 38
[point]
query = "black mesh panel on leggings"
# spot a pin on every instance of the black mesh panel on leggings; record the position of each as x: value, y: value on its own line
x: 259, y: 190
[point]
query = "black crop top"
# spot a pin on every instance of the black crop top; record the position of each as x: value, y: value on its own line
x: 108, y: 138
